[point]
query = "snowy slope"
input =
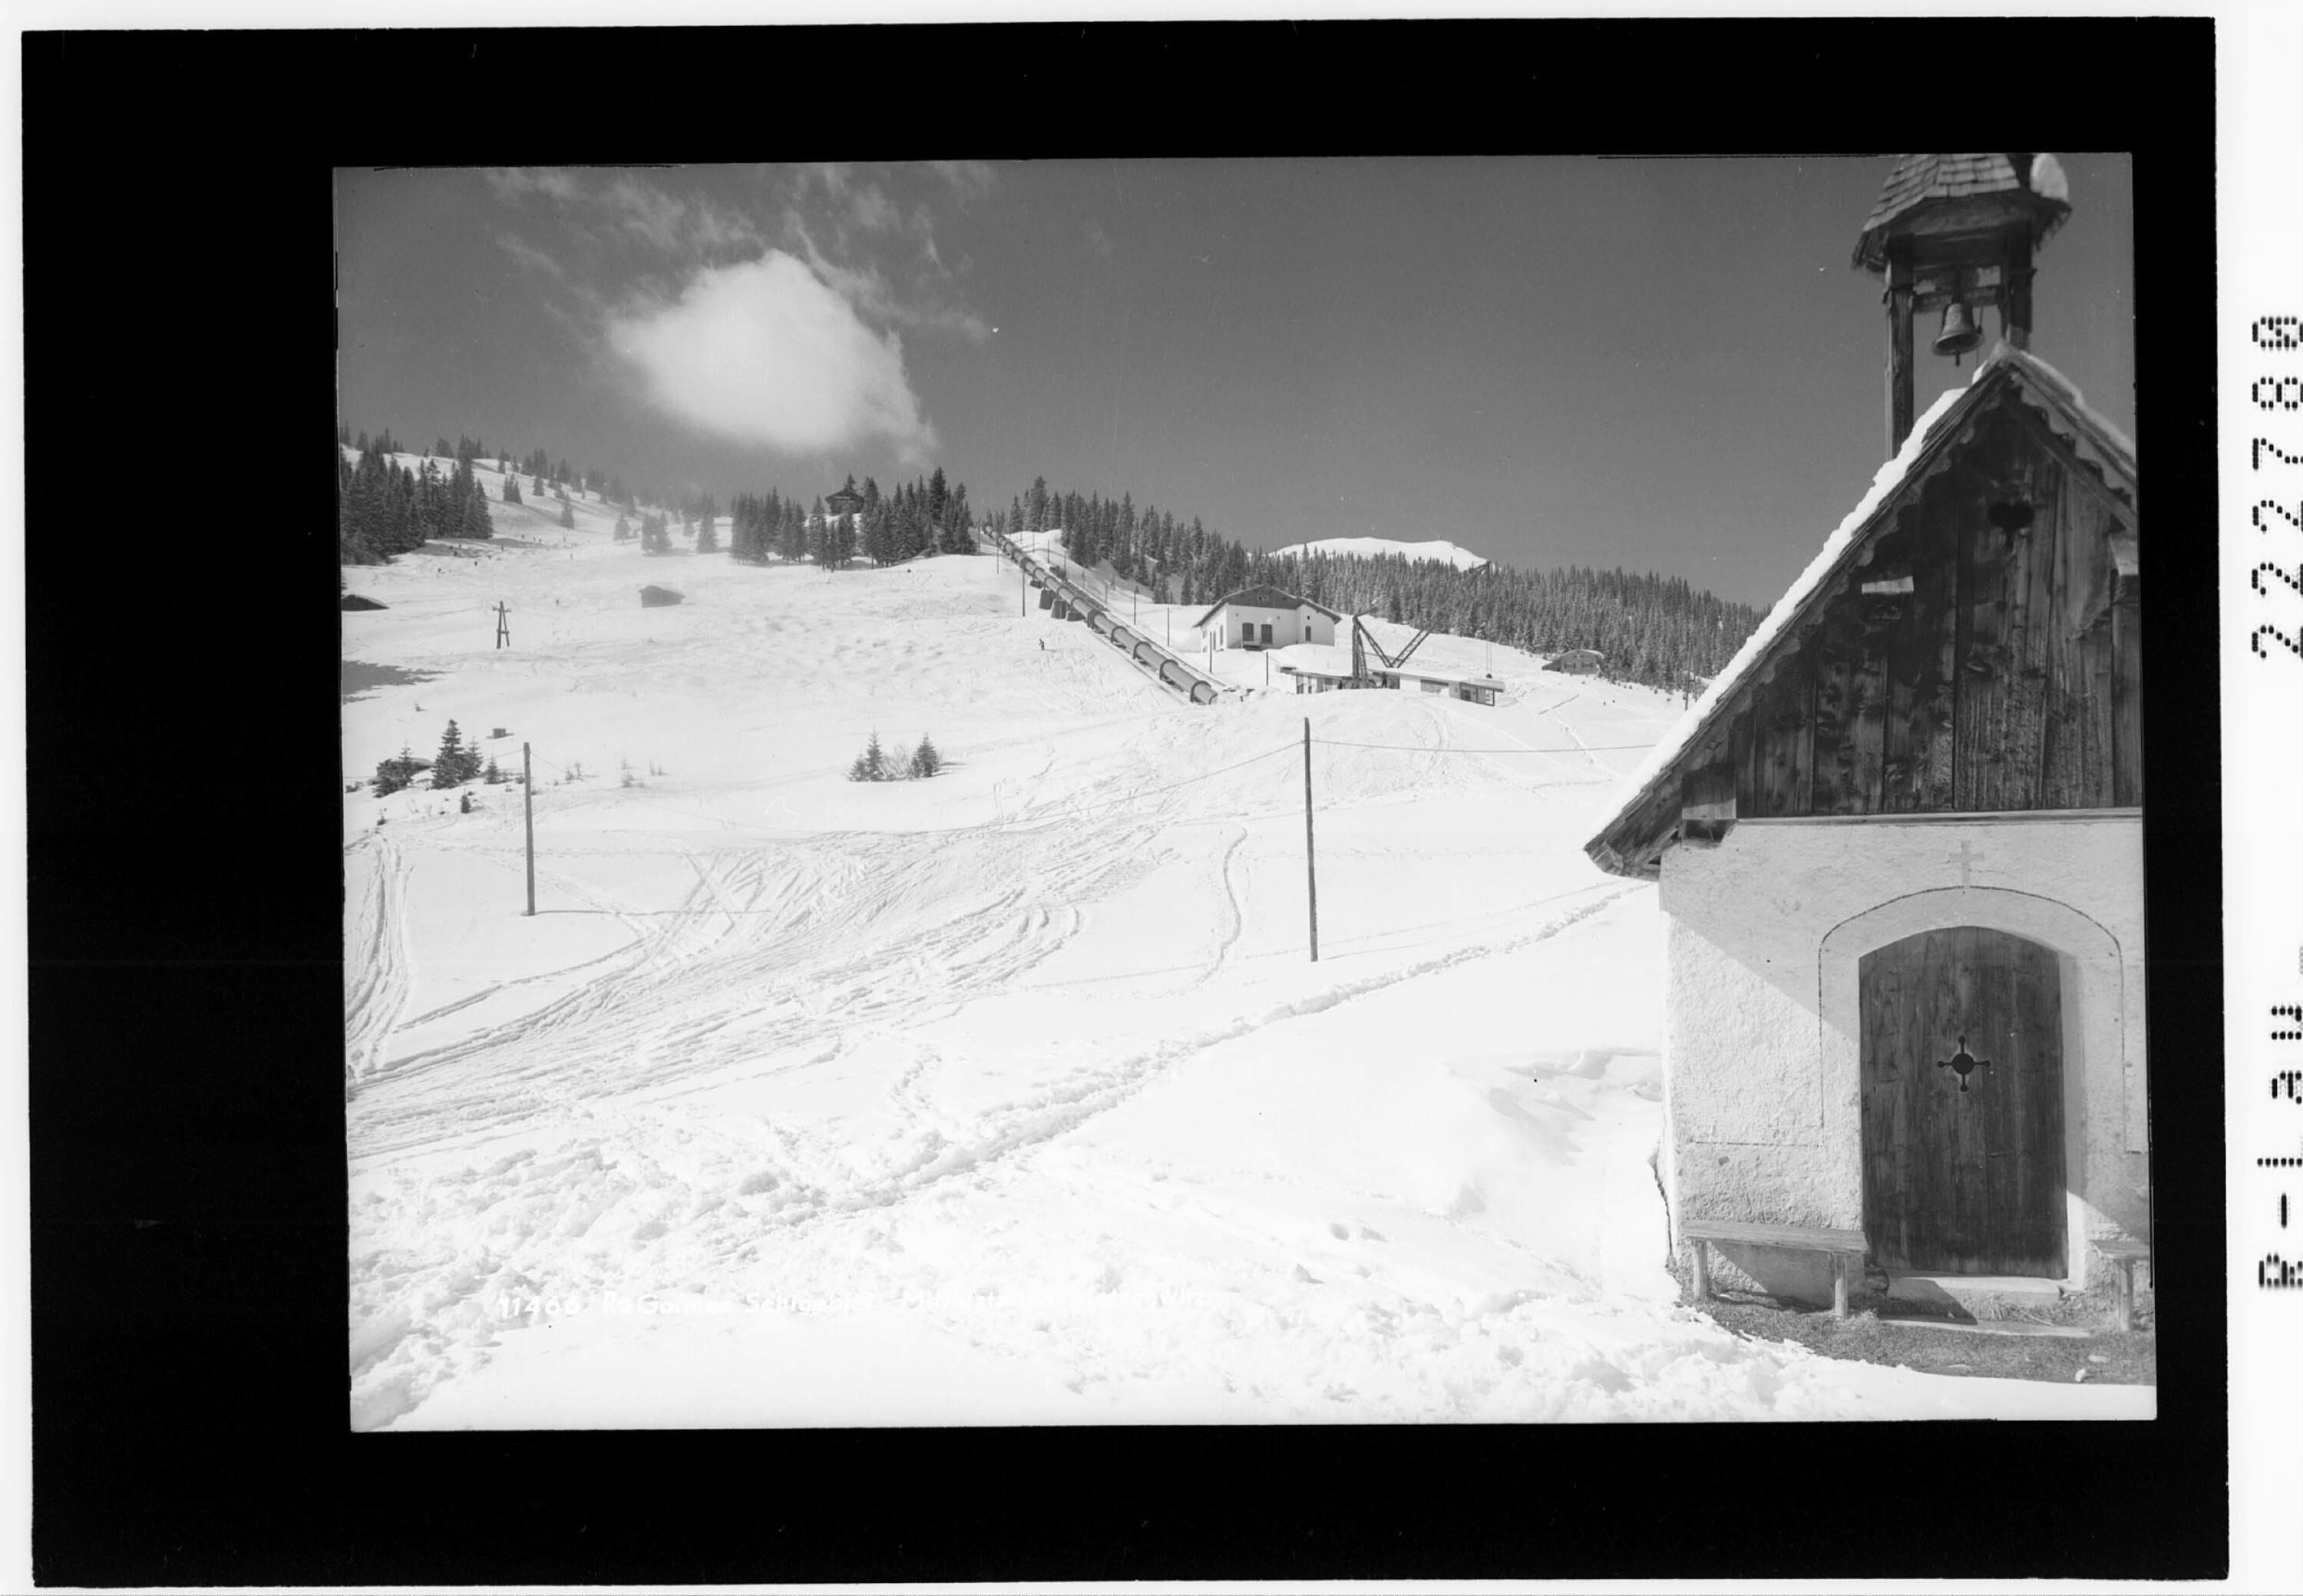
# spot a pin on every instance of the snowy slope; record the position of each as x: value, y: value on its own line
x: 1461, y: 559
x: 1010, y: 1096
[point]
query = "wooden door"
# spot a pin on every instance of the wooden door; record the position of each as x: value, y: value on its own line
x: 1963, y: 1181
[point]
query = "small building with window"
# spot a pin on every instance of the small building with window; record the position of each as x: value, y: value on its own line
x: 1266, y: 618
x: 1319, y: 678
x: 1453, y: 684
x: 1578, y: 662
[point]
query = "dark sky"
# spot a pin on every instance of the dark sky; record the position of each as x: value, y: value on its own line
x: 1662, y: 365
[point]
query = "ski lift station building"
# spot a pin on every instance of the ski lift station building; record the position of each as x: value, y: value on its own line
x: 1471, y: 688
x: 1266, y: 618
x: 1899, y: 844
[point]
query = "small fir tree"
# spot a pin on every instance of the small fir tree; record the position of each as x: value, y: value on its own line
x: 451, y: 766
x: 871, y: 764
x: 925, y: 761
x: 566, y: 513
x: 394, y: 774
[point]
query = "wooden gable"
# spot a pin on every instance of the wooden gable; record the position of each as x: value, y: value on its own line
x: 1977, y: 649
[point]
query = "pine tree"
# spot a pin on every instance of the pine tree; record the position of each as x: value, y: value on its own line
x: 567, y: 514
x: 455, y: 765
x: 475, y: 514
x: 394, y: 774
x: 871, y: 764
x: 925, y: 761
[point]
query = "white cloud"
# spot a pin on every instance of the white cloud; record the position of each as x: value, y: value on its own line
x: 510, y: 182
x: 527, y: 254
x: 970, y: 181
x: 649, y: 214
x: 768, y: 352
x: 867, y: 288
x: 671, y: 226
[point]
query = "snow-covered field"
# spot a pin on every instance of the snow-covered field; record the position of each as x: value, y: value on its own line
x: 1010, y: 1096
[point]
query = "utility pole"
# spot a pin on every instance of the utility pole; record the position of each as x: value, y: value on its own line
x: 527, y: 804
x: 504, y: 627
x: 1311, y: 870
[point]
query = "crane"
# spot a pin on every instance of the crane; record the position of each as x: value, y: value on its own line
x: 1363, y: 643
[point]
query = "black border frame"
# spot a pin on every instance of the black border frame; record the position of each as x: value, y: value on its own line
x: 189, y: 1264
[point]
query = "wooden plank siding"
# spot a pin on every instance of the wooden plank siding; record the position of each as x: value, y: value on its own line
x: 2000, y: 680
x: 1994, y: 666
x: 1926, y: 667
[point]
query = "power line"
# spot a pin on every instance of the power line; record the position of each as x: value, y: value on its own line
x: 1414, y: 749
x: 1131, y: 797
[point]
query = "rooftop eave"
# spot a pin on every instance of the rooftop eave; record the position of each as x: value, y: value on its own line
x: 1646, y: 825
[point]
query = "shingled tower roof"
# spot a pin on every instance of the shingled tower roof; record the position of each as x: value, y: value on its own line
x: 1919, y: 184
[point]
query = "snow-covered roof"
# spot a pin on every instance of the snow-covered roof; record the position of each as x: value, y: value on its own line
x: 1918, y: 182
x: 1474, y: 679
x: 1265, y: 598
x: 2091, y: 436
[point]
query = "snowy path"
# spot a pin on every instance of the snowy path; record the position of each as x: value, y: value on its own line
x: 1012, y: 1097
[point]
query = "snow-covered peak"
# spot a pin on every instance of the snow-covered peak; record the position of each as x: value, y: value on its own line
x: 1461, y: 558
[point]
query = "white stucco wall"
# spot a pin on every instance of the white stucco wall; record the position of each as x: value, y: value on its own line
x: 1304, y: 625
x: 1762, y: 1099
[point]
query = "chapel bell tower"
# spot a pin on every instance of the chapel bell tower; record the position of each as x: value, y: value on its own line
x: 1958, y: 233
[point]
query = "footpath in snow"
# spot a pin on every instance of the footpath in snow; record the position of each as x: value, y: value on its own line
x: 1010, y: 1096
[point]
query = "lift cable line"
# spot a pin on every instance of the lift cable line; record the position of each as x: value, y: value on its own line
x: 1414, y: 748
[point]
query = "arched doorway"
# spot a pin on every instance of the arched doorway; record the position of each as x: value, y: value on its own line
x: 1961, y: 1076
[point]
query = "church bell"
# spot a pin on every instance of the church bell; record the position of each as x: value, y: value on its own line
x: 1960, y: 333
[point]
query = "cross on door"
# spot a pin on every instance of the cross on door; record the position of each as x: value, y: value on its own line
x: 1963, y: 1062
x: 1965, y: 859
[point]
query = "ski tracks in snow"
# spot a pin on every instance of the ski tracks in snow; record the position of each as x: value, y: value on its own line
x: 376, y: 985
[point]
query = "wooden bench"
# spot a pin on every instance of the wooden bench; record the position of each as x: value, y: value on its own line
x: 2124, y: 1254
x: 1841, y: 1245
